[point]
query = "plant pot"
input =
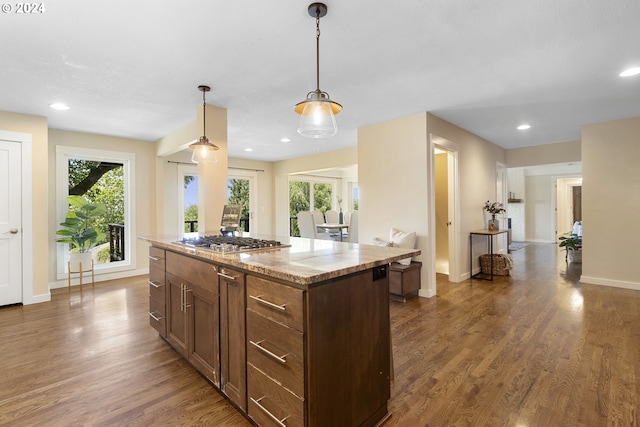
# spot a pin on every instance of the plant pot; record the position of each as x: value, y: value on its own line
x: 79, y: 261
x: 575, y: 256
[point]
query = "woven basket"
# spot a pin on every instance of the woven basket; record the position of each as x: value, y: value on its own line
x: 500, y: 264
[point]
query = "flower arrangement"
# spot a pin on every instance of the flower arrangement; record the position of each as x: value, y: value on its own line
x: 494, y: 208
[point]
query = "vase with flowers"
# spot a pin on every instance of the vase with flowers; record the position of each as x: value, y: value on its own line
x: 494, y: 209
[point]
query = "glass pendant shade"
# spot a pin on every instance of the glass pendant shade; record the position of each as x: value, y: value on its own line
x: 318, y: 111
x: 317, y: 115
x: 204, y: 151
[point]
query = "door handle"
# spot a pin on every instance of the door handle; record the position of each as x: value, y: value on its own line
x: 12, y: 231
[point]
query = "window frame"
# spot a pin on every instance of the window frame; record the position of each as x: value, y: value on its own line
x: 63, y: 155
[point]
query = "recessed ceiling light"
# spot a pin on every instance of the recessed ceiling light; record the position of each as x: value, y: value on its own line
x: 248, y: 149
x: 524, y: 127
x: 285, y: 140
x: 59, y: 106
x: 630, y: 72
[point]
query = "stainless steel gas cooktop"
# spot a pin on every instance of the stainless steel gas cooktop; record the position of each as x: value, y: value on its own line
x: 230, y: 244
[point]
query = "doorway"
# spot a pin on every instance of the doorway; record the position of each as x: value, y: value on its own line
x: 445, y: 213
x: 568, y: 204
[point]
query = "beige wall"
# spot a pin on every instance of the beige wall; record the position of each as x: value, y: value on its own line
x: 477, y: 166
x: 144, y: 195
x: 392, y: 178
x: 36, y: 126
x: 561, y: 152
x: 539, y: 208
x: 610, y: 203
x: 393, y: 182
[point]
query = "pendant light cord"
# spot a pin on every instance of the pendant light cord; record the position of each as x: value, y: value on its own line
x: 317, y: 49
x: 204, y: 114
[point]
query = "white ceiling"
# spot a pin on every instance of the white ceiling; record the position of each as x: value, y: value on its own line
x: 131, y: 69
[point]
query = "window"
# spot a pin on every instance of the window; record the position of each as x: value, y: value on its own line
x: 305, y: 193
x: 353, y: 196
x: 105, y: 177
x: 241, y: 191
x: 187, y: 199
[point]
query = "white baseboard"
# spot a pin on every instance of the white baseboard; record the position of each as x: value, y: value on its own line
x: 609, y: 282
x: 98, y: 278
x: 426, y: 293
x: 35, y: 299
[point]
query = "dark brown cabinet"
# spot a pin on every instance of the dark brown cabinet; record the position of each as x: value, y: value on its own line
x: 193, y: 313
x: 307, y: 356
x: 321, y: 356
x: 157, y: 291
x: 233, y: 351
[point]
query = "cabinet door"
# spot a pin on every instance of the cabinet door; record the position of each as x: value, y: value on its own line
x: 232, y: 336
x: 176, y: 313
x: 204, y: 338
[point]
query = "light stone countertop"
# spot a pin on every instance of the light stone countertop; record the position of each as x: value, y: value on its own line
x: 304, y: 262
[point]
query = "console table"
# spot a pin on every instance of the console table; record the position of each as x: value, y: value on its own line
x: 489, y: 236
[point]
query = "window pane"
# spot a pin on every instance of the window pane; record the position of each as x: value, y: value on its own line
x: 102, y: 182
x: 190, y: 203
x: 355, y: 197
x: 299, y: 196
x: 322, y: 197
x: 238, y: 194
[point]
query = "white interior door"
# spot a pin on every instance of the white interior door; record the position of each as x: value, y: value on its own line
x: 10, y: 223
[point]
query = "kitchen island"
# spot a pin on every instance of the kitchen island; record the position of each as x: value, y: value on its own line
x: 296, y: 335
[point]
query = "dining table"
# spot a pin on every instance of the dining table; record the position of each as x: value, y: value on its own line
x: 333, y: 228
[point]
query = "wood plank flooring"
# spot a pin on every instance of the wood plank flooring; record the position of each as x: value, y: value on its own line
x: 534, y: 349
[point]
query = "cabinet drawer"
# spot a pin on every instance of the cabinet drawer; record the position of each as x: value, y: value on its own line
x: 157, y: 316
x: 279, y: 302
x: 156, y: 257
x: 267, y: 400
x: 276, y: 350
x: 157, y: 288
x: 199, y: 272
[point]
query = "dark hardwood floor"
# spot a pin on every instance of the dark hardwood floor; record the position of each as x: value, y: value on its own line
x: 534, y: 349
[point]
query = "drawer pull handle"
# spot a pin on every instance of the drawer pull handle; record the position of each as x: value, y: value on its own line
x: 155, y: 285
x: 258, y: 298
x: 154, y: 317
x: 220, y: 273
x: 153, y: 258
x: 273, y: 417
x: 281, y: 359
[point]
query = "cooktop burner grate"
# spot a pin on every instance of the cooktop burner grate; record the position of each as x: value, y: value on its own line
x: 230, y: 244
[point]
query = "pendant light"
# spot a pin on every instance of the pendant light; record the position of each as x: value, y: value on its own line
x: 203, y: 150
x: 317, y: 112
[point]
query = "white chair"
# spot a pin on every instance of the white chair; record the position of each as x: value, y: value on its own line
x: 318, y: 217
x: 331, y: 217
x: 353, y: 227
x: 346, y: 217
x: 307, y: 226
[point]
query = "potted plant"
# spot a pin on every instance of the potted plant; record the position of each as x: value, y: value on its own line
x: 494, y: 209
x: 79, y: 231
x: 573, y: 247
